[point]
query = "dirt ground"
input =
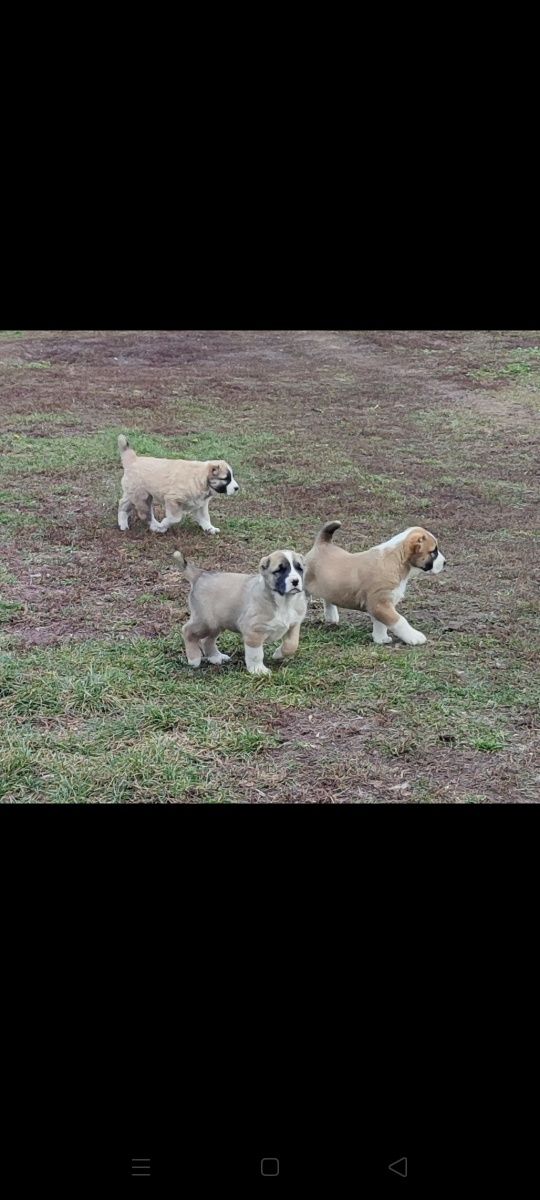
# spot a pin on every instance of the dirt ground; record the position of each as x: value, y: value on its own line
x: 379, y: 429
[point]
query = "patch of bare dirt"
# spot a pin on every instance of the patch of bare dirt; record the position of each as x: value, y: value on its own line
x: 330, y: 758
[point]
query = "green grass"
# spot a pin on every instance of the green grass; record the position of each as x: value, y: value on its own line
x: 523, y: 363
x: 24, y: 453
x: 61, y: 417
x: 8, y: 608
x: 116, y: 721
x: 121, y: 718
x: 128, y: 719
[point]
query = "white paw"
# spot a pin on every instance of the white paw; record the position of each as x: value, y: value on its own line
x: 211, y: 529
x: 331, y: 614
x: 218, y: 658
x: 382, y: 641
x: 123, y: 524
x: 158, y: 526
x: 259, y: 670
x: 194, y: 662
x: 277, y: 655
x: 415, y: 638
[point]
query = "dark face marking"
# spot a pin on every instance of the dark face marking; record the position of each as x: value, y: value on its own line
x: 279, y: 577
x: 220, y: 483
x: 428, y: 566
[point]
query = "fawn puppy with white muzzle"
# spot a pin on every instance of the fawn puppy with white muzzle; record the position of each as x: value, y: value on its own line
x: 373, y: 580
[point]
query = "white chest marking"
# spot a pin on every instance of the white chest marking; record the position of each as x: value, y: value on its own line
x: 289, y: 611
x: 399, y: 592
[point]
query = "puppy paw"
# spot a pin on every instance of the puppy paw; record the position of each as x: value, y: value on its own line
x: 382, y: 641
x: 279, y: 656
x: 157, y: 527
x: 218, y: 658
x: 194, y: 662
x: 259, y: 670
x: 415, y: 638
x: 331, y: 614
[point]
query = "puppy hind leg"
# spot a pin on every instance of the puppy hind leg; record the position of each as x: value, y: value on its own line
x: 192, y: 638
x: 125, y: 508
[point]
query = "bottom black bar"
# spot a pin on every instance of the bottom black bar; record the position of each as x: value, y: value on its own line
x: 275, y: 1164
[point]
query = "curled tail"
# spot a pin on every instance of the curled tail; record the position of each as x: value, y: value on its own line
x: 192, y: 573
x: 126, y: 453
x: 327, y: 532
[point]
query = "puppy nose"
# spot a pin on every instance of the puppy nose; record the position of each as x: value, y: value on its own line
x: 236, y: 487
x: 295, y: 582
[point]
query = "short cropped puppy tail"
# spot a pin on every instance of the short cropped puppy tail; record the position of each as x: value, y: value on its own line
x: 192, y: 573
x: 327, y: 532
x: 126, y: 453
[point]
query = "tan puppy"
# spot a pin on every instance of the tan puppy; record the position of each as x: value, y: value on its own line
x: 263, y: 608
x: 374, y: 580
x: 182, y: 485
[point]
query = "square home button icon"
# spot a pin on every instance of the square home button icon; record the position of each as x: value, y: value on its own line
x: 269, y: 1166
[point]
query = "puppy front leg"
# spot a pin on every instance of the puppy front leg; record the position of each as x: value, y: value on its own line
x: 289, y: 644
x: 253, y: 647
x: 385, y: 613
x: 406, y: 633
x: 173, y: 514
x: 201, y: 516
x: 211, y: 652
x: 331, y: 614
x: 380, y: 633
x: 157, y: 526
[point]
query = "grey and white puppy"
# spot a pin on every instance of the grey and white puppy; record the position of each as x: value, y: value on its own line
x: 263, y: 608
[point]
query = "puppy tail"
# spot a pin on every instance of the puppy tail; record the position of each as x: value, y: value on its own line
x: 192, y: 573
x: 327, y: 532
x: 126, y: 453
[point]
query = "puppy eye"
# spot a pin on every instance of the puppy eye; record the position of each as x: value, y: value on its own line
x: 434, y: 552
x: 297, y: 567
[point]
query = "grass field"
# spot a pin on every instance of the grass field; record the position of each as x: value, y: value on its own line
x: 379, y: 429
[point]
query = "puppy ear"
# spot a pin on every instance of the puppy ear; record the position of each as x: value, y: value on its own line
x: 214, y: 468
x: 416, y: 544
x: 264, y: 563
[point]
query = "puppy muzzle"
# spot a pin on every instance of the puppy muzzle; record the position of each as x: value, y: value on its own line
x: 436, y: 565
